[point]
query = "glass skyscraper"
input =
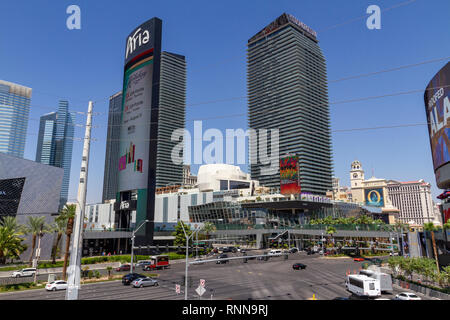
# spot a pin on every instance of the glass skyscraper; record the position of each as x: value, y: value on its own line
x: 14, y: 110
x: 287, y: 90
x: 112, y: 148
x: 55, y: 143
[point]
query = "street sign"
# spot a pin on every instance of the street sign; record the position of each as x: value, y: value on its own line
x: 200, y: 290
x: 177, y: 288
x: 202, y: 282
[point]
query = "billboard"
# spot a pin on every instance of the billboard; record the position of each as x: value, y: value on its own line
x: 10, y: 194
x: 289, y: 175
x: 139, y: 124
x: 374, y: 197
x: 437, y: 106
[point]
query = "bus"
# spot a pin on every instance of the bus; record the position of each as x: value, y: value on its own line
x: 384, y: 278
x: 158, y: 262
x: 362, y: 285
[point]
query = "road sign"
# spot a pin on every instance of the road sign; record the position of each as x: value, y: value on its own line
x: 200, y: 290
x: 177, y: 288
x: 202, y: 282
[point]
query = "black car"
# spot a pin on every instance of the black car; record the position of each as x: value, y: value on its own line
x: 130, y: 277
x: 221, y: 259
x: 293, y: 250
x: 226, y: 249
x: 298, y: 266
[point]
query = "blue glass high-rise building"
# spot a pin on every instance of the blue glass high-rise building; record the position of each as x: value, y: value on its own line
x: 55, y: 143
x: 14, y: 110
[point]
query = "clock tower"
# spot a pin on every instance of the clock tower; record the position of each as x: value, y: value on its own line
x: 356, y: 181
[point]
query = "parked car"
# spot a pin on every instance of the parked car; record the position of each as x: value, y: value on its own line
x: 407, y: 296
x: 128, y: 278
x: 56, y: 285
x: 293, y: 250
x: 221, y: 259
x: 124, y: 267
x: 233, y: 249
x: 145, y: 282
x: 28, y: 272
x: 226, y: 249
x: 298, y: 266
x: 358, y: 259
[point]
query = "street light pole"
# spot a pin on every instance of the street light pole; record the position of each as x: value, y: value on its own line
x: 187, y: 255
x: 132, y: 243
x: 38, y: 252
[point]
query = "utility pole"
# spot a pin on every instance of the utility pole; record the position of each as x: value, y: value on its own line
x: 132, y: 243
x: 77, y: 243
x: 38, y: 252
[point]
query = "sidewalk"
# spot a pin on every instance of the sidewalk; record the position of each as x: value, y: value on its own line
x: 96, y: 266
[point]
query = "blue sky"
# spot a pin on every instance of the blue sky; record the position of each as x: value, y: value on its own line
x: 37, y: 50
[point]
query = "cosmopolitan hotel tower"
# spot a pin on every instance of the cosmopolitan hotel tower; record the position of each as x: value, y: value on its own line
x: 14, y: 110
x: 287, y: 90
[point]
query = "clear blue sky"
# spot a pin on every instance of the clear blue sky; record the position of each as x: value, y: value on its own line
x: 37, y: 50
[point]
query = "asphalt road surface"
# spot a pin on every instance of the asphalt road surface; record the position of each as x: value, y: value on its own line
x: 256, y: 280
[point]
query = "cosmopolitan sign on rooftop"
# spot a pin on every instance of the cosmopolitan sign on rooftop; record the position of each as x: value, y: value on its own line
x: 281, y: 21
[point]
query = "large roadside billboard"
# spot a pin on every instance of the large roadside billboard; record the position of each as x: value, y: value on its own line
x: 139, y: 123
x: 289, y: 175
x: 437, y: 106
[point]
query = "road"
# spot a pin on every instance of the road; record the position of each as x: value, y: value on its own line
x: 255, y: 280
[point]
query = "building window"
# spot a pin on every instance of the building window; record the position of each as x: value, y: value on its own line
x: 223, y: 184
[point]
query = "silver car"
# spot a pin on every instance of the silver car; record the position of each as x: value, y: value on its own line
x: 145, y: 282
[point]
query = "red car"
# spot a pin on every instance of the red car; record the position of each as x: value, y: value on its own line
x: 124, y: 267
x: 358, y: 259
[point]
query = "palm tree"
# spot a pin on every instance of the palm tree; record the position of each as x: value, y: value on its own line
x: 208, y: 227
x: 36, y: 226
x: 67, y: 214
x: 59, y: 226
x: 10, y: 239
x: 429, y: 226
x: 10, y: 222
x: 330, y: 230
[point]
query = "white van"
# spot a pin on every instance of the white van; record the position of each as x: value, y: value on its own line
x: 275, y: 252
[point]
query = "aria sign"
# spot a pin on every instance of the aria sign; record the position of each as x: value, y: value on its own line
x: 124, y: 205
x: 138, y: 38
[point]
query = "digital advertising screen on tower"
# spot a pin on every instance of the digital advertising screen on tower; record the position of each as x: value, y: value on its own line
x: 374, y: 197
x: 437, y: 106
x: 142, y: 49
x: 289, y: 175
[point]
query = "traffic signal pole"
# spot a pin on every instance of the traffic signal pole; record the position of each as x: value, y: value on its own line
x: 73, y: 283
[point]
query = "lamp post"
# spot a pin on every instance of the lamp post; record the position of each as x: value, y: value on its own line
x: 187, y: 255
x: 38, y: 252
x: 132, y: 243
